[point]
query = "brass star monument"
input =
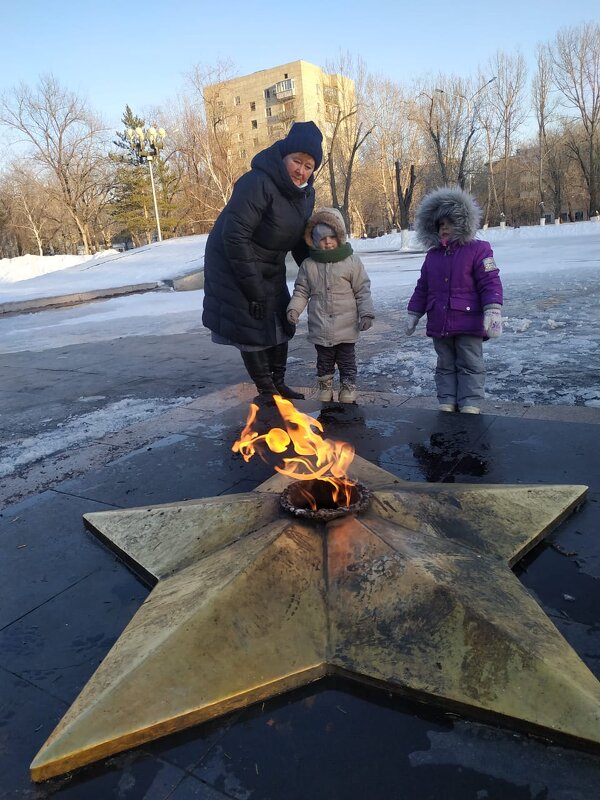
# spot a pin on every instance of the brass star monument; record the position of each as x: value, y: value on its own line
x: 415, y: 594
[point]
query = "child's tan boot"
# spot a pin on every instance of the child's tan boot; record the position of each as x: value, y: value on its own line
x: 347, y: 393
x: 325, y: 388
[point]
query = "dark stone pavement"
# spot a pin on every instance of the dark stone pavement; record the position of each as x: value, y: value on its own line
x: 64, y: 598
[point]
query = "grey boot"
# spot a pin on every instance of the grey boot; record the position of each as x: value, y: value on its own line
x: 347, y: 392
x: 325, y: 388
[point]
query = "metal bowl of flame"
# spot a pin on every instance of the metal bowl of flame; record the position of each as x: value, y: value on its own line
x: 313, y: 499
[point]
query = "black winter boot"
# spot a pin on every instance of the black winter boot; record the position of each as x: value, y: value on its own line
x: 278, y: 361
x: 258, y: 367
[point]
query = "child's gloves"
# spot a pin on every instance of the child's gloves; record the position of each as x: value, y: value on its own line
x: 492, y: 320
x: 292, y: 316
x: 365, y: 323
x: 411, y: 323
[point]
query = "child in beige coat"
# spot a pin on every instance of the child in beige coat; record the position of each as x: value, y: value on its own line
x: 334, y: 284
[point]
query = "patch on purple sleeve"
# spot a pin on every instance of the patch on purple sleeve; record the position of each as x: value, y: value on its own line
x: 489, y: 264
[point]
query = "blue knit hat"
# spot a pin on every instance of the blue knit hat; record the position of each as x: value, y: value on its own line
x: 320, y: 231
x: 304, y: 137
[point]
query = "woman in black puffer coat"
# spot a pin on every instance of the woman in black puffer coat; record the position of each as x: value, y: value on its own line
x: 245, y: 287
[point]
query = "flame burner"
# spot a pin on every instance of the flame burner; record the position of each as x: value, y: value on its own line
x: 296, y: 500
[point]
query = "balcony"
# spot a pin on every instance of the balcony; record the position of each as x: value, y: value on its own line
x: 285, y: 90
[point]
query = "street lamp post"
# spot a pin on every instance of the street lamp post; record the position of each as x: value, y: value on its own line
x: 147, y: 143
x: 471, y: 123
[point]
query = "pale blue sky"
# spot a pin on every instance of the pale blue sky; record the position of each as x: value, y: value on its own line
x: 115, y: 53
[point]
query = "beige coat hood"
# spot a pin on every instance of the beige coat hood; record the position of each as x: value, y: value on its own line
x: 338, y: 294
x: 326, y: 216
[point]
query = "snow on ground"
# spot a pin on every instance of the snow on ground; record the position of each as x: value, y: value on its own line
x: 165, y: 313
x: 549, y: 352
x: 31, y: 277
x: 155, y: 262
x: 24, y: 267
x: 83, y: 428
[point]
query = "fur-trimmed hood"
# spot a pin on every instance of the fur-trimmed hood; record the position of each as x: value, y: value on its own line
x: 457, y: 206
x: 326, y: 216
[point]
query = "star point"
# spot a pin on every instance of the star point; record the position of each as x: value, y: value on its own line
x: 416, y: 595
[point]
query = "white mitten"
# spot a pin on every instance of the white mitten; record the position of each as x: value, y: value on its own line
x: 492, y: 320
x: 411, y: 322
x: 292, y: 316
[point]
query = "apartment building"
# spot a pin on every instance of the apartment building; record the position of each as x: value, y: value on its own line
x: 255, y: 110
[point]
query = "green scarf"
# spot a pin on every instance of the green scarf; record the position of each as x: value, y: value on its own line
x: 331, y: 256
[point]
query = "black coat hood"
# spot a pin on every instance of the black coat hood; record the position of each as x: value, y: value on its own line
x: 244, y: 259
x: 271, y: 162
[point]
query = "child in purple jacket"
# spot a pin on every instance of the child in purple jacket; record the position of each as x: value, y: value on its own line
x: 461, y: 292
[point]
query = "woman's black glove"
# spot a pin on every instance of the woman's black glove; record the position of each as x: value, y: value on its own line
x: 257, y: 310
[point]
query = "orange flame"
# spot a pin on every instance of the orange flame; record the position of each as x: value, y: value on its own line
x: 316, y: 458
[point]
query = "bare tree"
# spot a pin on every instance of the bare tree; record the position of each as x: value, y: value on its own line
x: 544, y: 111
x: 575, y: 59
x: 10, y: 246
x: 506, y: 97
x: 405, y: 192
x: 348, y: 128
x: 36, y: 220
x: 394, y: 139
x: 449, y: 115
x: 65, y: 138
x: 214, y: 161
x: 433, y: 117
x: 28, y: 202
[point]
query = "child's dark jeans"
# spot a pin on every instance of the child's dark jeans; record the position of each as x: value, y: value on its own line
x: 344, y: 355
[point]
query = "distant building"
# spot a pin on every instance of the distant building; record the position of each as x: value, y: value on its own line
x: 566, y: 202
x: 255, y: 110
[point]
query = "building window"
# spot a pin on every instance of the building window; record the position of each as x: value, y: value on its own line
x: 267, y: 94
x: 253, y: 106
x: 239, y: 119
x: 330, y: 94
x: 254, y: 124
x: 238, y: 100
x: 285, y: 74
x: 269, y: 111
x: 242, y: 154
x: 255, y: 141
x: 240, y: 137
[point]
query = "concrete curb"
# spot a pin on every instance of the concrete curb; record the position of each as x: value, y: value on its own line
x: 187, y: 283
x: 41, y: 303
